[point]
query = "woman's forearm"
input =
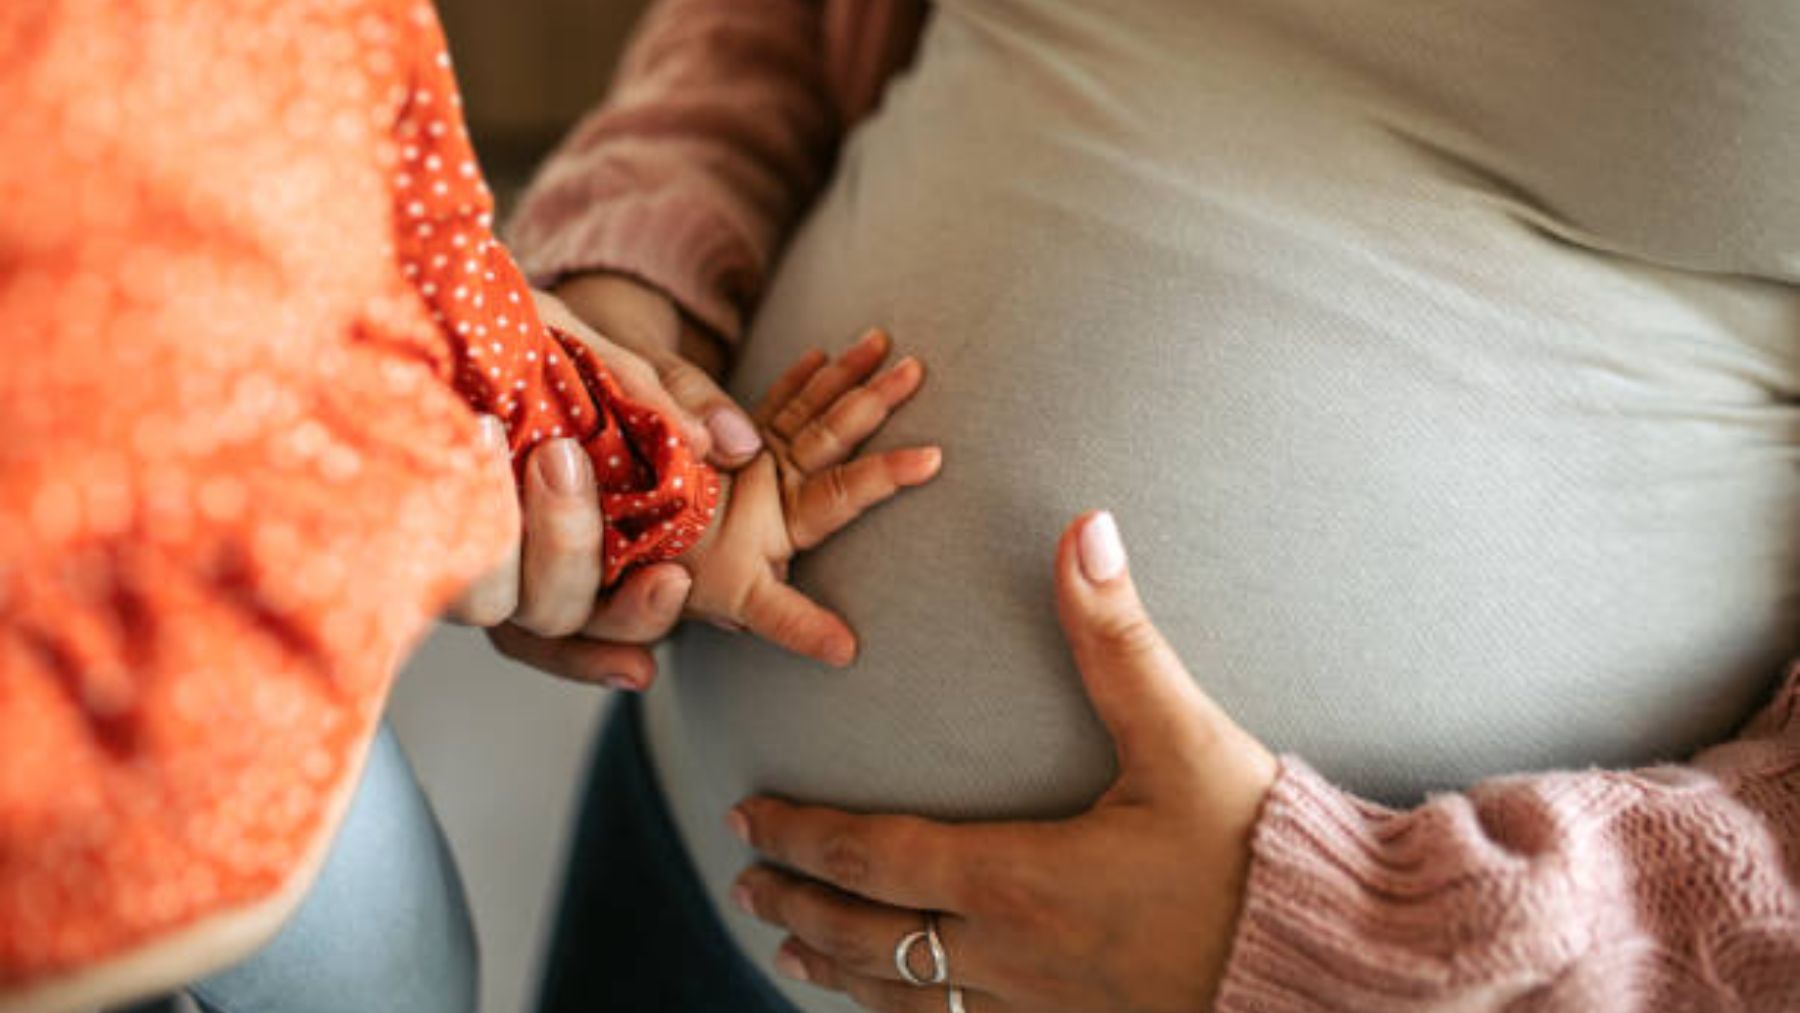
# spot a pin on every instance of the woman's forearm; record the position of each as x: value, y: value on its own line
x: 1667, y: 888
x: 720, y: 130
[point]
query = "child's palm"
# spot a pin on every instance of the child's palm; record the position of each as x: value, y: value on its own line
x: 805, y: 487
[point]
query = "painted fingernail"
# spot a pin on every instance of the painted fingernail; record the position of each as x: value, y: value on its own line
x: 742, y: 899
x: 564, y: 466
x: 733, y: 433
x: 1102, y: 553
x: 739, y: 824
x: 788, y: 965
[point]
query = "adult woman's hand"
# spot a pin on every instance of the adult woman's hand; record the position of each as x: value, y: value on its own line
x: 1130, y: 905
x: 542, y: 605
x: 687, y: 359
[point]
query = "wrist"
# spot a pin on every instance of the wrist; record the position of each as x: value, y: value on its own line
x: 623, y: 309
x: 643, y: 318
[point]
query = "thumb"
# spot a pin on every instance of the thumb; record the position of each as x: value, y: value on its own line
x: 1159, y: 719
x: 636, y: 375
x: 733, y: 437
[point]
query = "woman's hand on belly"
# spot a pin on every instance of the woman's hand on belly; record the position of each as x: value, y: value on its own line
x: 1131, y: 905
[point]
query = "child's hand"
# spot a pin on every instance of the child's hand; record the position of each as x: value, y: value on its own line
x: 803, y: 487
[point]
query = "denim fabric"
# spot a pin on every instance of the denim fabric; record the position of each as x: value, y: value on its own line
x: 384, y: 928
x: 635, y: 931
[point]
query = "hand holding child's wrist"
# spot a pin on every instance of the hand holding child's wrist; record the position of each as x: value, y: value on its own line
x: 688, y: 362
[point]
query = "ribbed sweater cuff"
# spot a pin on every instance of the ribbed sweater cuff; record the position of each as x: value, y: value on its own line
x: 1325, y: 868
x: 676, y: 245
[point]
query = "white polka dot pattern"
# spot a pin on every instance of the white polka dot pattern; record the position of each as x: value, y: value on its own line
x: 240, y: 473
x: 543, y: 384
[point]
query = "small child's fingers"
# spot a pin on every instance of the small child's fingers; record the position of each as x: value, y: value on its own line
x: 824, y: 387
x: 789, y: 383
x: 855, y: 416
x: 783, y: 616
x: 839, y: 495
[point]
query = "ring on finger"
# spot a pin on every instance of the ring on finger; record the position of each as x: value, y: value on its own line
x: 934, y: 944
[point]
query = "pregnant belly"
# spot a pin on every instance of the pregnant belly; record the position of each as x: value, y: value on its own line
x: 1416, y: 492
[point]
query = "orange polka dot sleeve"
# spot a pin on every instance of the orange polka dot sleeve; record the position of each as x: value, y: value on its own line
x: 247, y: 296
x: 542, y: 383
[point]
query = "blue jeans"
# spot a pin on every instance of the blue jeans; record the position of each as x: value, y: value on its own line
x: 384, y: 927
x: 636, y: 931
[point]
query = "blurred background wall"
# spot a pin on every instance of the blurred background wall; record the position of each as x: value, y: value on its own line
x: 529, y: 68
x: 501, y: 748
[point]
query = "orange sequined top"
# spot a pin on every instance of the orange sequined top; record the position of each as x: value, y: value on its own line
x: 248, y: 291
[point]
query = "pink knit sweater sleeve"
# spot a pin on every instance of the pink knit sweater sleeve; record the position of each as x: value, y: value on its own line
x: 1668, y: 888
x: 720, y: 128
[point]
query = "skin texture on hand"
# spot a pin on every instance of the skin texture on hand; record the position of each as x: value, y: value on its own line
x: 609, y: 638
x: 1131, y: 905
x: 542, y: 605
x: 688, y: 360
x: 802, y: 488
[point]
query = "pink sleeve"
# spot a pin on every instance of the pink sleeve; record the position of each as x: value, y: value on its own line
x: 1668, y: 888
x: 720, y: 129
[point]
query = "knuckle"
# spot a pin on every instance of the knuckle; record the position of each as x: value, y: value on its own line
x: 685, y: 380
x: 793, y: 414
x: 635, y: 371
x: 824, y: 436
x: 859, y: 406
x: 838, y: 937
x: 837, y: 490
x: 1002, y: 897
x: 568, y: 533
x: 1127, y: 634
x: 844, y: 859
x: 788, y: 628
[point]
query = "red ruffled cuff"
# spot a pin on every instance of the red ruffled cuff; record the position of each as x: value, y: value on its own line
x: 657, y: 498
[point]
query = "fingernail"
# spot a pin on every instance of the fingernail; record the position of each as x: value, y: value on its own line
x: 564, y: 466
x: 1102, y: 553
x: 841, y: 655
x: 733, y: 433
x: 742, y: 900
x: 621, y: 683
x: 493, y: 433
x: 739, y: 824
x: 788, y: 965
